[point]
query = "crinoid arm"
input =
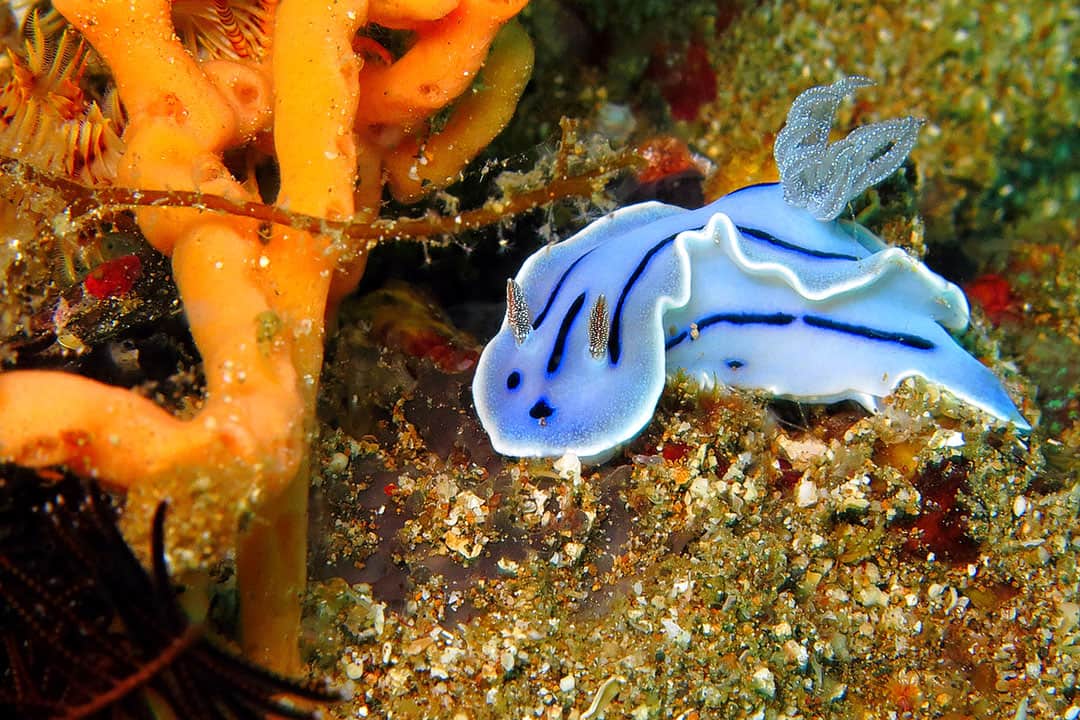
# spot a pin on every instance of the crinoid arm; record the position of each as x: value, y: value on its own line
x: 824, y: 178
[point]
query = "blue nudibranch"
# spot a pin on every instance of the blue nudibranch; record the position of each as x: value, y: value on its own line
x: 762, y: 289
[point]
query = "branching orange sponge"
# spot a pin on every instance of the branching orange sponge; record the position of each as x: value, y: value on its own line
x: 422, y: 163
x: 255, y: 301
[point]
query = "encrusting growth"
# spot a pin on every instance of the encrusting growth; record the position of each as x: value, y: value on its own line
x: 256, y: 300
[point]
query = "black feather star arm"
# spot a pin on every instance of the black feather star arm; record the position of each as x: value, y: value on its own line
x: 87, y: 632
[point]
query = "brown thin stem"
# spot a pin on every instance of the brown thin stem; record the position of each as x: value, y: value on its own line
x: 85, y: 201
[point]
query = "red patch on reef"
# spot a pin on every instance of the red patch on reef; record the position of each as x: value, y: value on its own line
x: 114, y: 278
x: 406, y: 318
x: 994, y: 295
x: 727, y: 11
x: 670, y: 174
x: 664, y: 156
x: 440, y: 350
x: 788, y: 475
x: 675, y: 451
x: 942, y: 526
x: 688, y: 83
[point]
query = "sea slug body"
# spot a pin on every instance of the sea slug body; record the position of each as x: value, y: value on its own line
x: 760, y: 289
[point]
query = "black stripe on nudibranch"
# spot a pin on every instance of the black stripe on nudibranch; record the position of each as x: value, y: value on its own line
x: 785, y: 245
x: 615, y: 338
x: 911, y: 341
x: 746, y: 319
x: 733, y: 319
x: 559, y: 347
x: 558, y: 286
x: 673, y: 341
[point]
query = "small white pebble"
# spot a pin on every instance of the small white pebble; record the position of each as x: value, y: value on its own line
x: 567, y: 683
x: 872, y: 596
x: 507, y: 567
x: 796, y: 653
x: 569, y: 467
x: 806, y: 493
x: 763, y: 682
x: 1020, y: 506
x: 675, y: 633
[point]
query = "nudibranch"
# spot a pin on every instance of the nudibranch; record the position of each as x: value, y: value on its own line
x: 763, y: 289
